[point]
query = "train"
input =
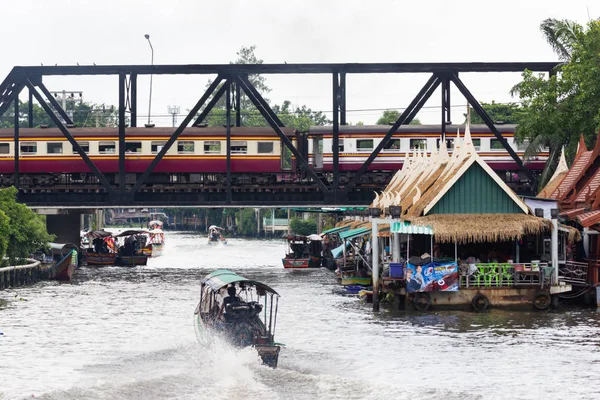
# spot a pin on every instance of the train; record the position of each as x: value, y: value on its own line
x: 258, y: 155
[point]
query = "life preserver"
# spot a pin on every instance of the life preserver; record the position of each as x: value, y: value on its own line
x: 542, y: 300
x: 480, y: 302
x: 422, y: 301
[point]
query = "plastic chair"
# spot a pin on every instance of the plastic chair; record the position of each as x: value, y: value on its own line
x: 492, y: 275
x: 479, y: 276
x: 507, y: 274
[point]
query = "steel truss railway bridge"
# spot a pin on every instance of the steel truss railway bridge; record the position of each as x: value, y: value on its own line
x: 231, y: 81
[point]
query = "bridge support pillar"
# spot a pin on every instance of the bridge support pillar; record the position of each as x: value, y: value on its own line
x: 66, y: 227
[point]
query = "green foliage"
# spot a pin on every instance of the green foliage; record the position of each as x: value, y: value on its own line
x: 26, y: 230
x: 300, y: 118
x: 303, y: 227
x: 557, y: 110
x: 246, y: 222
x: 510, y: 113
x: 389, y: 117
x: 83, y: 115
x: 4, y: 233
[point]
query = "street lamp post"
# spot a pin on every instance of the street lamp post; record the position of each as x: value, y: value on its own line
x: 149, y: 125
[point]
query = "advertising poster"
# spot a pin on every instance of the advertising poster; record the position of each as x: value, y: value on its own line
x: 432, y: 277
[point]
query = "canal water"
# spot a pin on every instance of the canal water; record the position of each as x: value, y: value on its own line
x: 128, y: 333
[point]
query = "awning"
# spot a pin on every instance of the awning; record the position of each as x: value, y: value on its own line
x: 408, y: 228
x: 337, y: 229
x: 352, y: 233
x: 337, y: 252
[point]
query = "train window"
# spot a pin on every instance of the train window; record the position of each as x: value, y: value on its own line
x: 523, y: 145
x: 239, y: 147
x: 133, y: 147
x: 341, y: 145
x: 477, y: 144
x: 495, y: 144
x: 364, y: 144
x: 85, y: 146
x: 265, y: 147
x: 416, y: 144
x: 185, y: 147
x: 157, y: 146
x: 4, y: 148
x: 54, y: 148
x: 449, y: 144
x: 212, y: 147
x: 28, y: 147
x: 392, y: 144
x: 107, y: 147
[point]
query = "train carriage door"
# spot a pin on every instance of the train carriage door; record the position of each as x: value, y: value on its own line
x: 286, y: 157
x: 318, y: 152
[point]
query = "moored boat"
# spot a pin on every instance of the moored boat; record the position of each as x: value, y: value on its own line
x: 101, y: 250
x: 302, y: 252
x: 64, y: 263
x: 232, y: 306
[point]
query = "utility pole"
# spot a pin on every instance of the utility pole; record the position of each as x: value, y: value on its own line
x: 68, y: 97
x: 173, y: 110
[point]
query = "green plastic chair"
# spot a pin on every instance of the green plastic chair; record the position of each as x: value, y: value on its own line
x: 507, y: 274
x: 492, y: 276
x: 479, y: 276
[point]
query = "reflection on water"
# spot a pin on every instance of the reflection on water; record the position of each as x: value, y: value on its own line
x: 128, y: 333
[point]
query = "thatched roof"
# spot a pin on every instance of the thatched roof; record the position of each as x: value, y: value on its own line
x: 469, y: 228
x: 573, y: 233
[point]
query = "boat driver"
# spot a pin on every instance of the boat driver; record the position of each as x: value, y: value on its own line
x: 230, y: 299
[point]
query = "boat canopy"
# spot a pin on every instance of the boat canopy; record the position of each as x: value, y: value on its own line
x: 354, y: 233
x: 62, y: 248
x: 221, y: 278
x: 98, y: 234
x: 335, y: 230
x: 132, y: 232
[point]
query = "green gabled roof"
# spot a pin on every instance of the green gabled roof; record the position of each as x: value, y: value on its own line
x: 476, y: 192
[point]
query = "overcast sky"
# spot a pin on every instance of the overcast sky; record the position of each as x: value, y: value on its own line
x: 66, y: 32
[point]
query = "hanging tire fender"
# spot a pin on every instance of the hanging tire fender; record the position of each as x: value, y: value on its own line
x: 542, y: 301
x: 480, y: 302
x: 422, y: 301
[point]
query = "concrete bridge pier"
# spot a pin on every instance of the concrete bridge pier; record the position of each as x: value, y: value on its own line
x: 66, y: 225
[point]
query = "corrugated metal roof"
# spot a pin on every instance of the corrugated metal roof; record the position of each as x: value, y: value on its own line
x: 355, y: 233
x: 336, y: 229
x: 408, y: 228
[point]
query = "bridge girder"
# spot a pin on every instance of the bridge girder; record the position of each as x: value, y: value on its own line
x: 235, y: 77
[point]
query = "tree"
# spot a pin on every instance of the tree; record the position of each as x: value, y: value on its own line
x: 300, y: 118
x: 26, y: 231
x: 558, y: 109
x: 83, y: 115
x: 507, y: 113
x: 303, y: 227
x: 389, y: 117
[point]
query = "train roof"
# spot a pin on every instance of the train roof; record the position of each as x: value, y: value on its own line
x: 132, y: 133
x: 450, y: 129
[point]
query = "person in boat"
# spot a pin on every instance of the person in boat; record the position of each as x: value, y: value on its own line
x: 232, y: 298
